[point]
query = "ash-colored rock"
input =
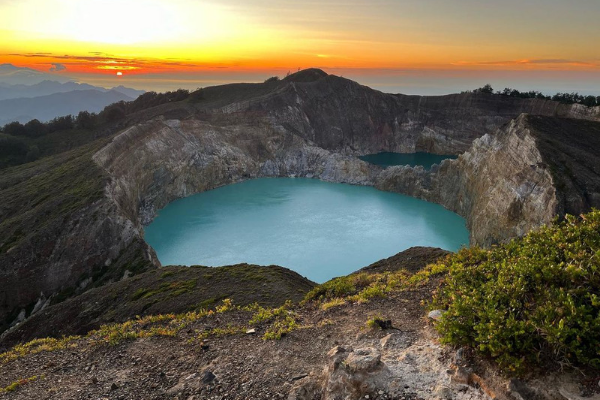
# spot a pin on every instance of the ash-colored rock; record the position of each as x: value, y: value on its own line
x: 413, y: 371
x: 396, y: 340
x: 365, y: 359
x: 435, y: 314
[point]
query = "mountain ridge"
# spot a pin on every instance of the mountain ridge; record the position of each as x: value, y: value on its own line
x: 48, y: 87
x: 220, y: 135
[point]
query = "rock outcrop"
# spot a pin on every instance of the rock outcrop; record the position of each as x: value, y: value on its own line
x: 397, y: 367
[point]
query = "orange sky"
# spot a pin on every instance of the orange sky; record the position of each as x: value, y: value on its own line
x: 169, y: 39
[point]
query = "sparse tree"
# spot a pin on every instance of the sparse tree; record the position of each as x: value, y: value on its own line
x: 35, y: 128
x: 61, y: 124
x: 86, y: 120
x: 485, y: 89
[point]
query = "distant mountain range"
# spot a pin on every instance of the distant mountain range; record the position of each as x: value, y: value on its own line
x: 45, y: 108
x: 27, y: 94
x: 45, y: 88
x: 13, y: 75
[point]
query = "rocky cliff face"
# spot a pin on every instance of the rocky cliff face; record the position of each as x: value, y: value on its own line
x: 570, y: 149
x: 157, y: 162
x: 341, y: 115
x: 512, y: 181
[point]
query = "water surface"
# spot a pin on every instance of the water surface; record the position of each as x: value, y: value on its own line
x: 318, y: 229
x: 411, y: 159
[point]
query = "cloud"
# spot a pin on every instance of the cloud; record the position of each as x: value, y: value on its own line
x: 546, y: 61
x: 107, y: 61
x: 56, y: 67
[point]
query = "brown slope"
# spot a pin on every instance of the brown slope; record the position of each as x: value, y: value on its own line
x: 571, y: 148
x: 162, y: 291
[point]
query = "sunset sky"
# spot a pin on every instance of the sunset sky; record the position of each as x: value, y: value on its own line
x: 410, y: 46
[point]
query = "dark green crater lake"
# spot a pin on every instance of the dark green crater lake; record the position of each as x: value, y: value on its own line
x: 320, y: 230
x: 413, y: 159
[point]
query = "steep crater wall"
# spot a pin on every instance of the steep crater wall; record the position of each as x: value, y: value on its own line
x: 343, y: 116
x: 506, y: 184
x: 512, y: 181
x: 157, y: 162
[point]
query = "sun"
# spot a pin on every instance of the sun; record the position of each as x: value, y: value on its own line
x: 119, y: 73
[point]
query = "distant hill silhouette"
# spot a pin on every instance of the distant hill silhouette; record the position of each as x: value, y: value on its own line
x: 27, y: 94
x: 13, y: 75
x: 47, y: 87
x: 45, y: 108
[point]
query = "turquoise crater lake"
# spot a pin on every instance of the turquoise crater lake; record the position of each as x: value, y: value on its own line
x: 320, y: 230
x: 426, y: 160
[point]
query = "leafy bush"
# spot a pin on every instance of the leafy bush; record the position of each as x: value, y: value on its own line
x: 534, y: 299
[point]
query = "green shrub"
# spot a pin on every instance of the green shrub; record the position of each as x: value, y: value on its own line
x: 358, y: 288
x: 262, y: 314
x: 534, y: 299
x: 167, y: 274
x: 338, y: 287
x: 280, y: 328
x: 17, y: 384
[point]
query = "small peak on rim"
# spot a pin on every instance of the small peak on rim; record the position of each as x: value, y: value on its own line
x: 306, y: 75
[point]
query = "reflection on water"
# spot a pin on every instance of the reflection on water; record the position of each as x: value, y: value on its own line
x: 320, y: 230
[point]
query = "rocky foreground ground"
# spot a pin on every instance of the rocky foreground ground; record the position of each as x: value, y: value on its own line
x: 366, y: 348
x: 332, y: 351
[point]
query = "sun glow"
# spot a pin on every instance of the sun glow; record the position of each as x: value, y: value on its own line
x: 122, y: 22
x: 170, y: 39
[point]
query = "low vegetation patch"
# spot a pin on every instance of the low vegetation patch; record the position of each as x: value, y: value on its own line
x: 17, y: 384
x: 281, y: 327
x: 38, y: 346
x: 280, y: 320
x: 263, y: 314
x: 277, y: 323
x: 226, y: 331
x: 378, y: 322
x: 359, y: 288
x: 153, y: 325
x: 529, y: 301
x: 173, y: 289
